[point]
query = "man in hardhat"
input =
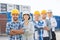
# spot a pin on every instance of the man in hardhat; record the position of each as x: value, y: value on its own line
x: 13, y: 28
x: 38, y: 26
x: 53, y: 23
x: 46, y: 25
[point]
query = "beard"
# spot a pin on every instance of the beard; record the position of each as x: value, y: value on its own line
x: 15, y: 18
x: 43, y: 17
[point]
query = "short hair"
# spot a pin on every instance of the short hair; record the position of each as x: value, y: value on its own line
x: 27, y: 15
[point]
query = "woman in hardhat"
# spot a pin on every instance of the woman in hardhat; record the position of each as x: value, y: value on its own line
x: 13, y: 28
x: 38, y: 24
x: 28, y: 28
x: 46, y: 25
x: 53, y: 23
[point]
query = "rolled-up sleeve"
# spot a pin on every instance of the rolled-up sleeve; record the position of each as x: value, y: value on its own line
x: 8, y: 28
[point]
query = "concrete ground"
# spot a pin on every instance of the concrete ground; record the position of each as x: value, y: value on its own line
x: 58, y: 35
x: 7, y: 38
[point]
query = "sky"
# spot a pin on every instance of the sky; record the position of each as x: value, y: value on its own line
x: 39, y: 5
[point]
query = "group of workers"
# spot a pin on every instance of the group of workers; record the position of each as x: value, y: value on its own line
x: 41, y: 28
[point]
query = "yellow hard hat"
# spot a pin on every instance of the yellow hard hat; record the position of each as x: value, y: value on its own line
x: 43, y: 12
x: 36, y: 13
x: 14, y: 11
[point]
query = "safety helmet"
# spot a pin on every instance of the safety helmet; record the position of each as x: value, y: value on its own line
x: 43, y: 12
x: 36, y: 13
x: 14, y: 11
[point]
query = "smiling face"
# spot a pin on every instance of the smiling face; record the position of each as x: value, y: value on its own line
x: 43, y: 16
x: 26, y: 17
x: 37, y: 17
x: 49, y: 14
x: 15, y: 17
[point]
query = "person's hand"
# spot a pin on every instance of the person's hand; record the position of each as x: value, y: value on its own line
x: 21, y: 31
x: 16, y: 32
x: 46, y: 28
x: 12, y: 33
x: 13, y: 30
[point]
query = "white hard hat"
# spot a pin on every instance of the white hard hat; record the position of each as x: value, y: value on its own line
x: 49, y: 11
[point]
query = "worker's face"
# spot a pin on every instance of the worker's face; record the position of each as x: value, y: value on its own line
x: 26, y: 17
x: 43, y: 16
x: 15, y: 17
x: 36, y: 17
x: 49, y: 14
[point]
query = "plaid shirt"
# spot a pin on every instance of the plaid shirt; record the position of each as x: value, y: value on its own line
x: 14, y: 26
x: 39, y: 27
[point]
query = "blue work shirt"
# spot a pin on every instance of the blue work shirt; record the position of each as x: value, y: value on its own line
x: 13, y: 26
